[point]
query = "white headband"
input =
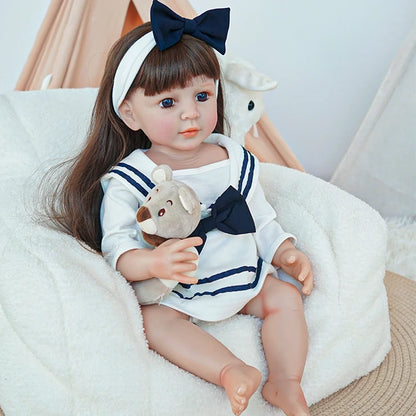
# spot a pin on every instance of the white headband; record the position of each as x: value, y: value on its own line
x: 129, y: 67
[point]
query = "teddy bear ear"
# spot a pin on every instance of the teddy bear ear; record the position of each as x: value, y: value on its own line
x: 187, y: 199
x: 162, y: 173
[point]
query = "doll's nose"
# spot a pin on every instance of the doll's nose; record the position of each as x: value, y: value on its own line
x: 190, y: 112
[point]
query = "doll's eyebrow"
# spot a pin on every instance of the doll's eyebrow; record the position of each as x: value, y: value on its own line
x: 207, y: 85
x: 169, y: 202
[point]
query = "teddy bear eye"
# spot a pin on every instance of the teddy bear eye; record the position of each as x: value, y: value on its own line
x: 161, y: 212
x: 169, y: 202
x: 250, y: 105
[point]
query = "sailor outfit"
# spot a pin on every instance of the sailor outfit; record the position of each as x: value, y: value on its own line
x: 232, y: 268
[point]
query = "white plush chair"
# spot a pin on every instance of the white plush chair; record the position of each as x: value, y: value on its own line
x: 71, y: 334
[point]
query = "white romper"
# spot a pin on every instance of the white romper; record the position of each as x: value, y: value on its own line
x: 231, y: 268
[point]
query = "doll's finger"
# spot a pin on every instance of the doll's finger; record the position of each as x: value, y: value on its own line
x: 189, y: 242
x: 308, y: 284
x: 305, y: 270
x: 184, y: 267
x: 185, y: 256
x: 291, y: 258
x: 306, y: 291
x: 288, y: 257
x: 183, y: 278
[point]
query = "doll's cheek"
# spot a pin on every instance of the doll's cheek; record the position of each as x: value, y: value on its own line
x: 213, y: 121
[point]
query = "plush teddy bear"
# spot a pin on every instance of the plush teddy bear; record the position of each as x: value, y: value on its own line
x: 171, y: 210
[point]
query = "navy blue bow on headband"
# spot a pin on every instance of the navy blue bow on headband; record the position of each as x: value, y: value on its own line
x: 229, y: 214
x: 168, y: 27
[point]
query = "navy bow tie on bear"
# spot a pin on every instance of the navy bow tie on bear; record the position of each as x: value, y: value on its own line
x: 229, y: 214
x: 168, y: 27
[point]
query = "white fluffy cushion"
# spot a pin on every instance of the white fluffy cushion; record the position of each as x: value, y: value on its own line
x: 71, y: 336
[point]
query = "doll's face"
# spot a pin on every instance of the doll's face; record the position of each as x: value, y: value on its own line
x: 177, y: 119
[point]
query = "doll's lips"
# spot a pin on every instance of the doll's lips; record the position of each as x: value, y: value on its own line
x: 191, y: 132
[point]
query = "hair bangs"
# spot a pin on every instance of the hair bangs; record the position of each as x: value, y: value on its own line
x: 176, y: 66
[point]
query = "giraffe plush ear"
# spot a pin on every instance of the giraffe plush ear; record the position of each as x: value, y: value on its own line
x: 162, y: 173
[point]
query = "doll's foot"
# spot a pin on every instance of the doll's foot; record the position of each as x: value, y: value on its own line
x: 240, y: 381
x: 287, y: 395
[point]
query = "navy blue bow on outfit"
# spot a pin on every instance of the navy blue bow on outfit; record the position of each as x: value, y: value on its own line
x: 229, y: 213
x: 168, y: 27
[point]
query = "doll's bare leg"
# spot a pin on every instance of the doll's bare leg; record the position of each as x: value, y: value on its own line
x: 173, y: 336
x: 285, y: 343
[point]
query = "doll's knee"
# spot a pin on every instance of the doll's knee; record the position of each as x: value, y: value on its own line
x: 280, y: 296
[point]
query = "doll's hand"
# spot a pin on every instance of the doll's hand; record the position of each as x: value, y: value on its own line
x: 296, y: 264
x: 172, y: 261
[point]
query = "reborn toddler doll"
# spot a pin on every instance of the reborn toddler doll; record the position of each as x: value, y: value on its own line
x: 160, y: 102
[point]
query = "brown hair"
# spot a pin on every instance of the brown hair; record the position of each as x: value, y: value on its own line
x: 74, y: 205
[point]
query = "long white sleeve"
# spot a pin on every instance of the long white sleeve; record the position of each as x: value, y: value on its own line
x: 269, y: 234
x: 118, y: 222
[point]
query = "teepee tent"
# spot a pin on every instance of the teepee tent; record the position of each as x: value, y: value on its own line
x: 380, y: 165
x: 73, y: 42
x: 75, y: 37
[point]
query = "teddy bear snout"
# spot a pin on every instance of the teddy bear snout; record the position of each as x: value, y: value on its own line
x: 145, y: 221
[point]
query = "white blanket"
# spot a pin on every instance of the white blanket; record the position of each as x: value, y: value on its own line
x: 71, y: 336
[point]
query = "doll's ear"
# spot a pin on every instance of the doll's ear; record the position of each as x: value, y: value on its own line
x: 128, y: 116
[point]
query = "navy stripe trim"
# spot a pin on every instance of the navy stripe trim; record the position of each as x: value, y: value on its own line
x: 143, y: 177
x: 243, y: 170
x: 250, y: 177
x: 222, y: 275
x: 130, y: 181
x: 227, y: 289
x: 247, y: 165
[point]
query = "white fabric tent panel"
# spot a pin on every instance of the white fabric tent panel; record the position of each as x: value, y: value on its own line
x: 380, y: 165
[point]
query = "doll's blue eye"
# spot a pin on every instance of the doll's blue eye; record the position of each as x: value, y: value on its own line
x: 167, y: 102
x: 202, y: 96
